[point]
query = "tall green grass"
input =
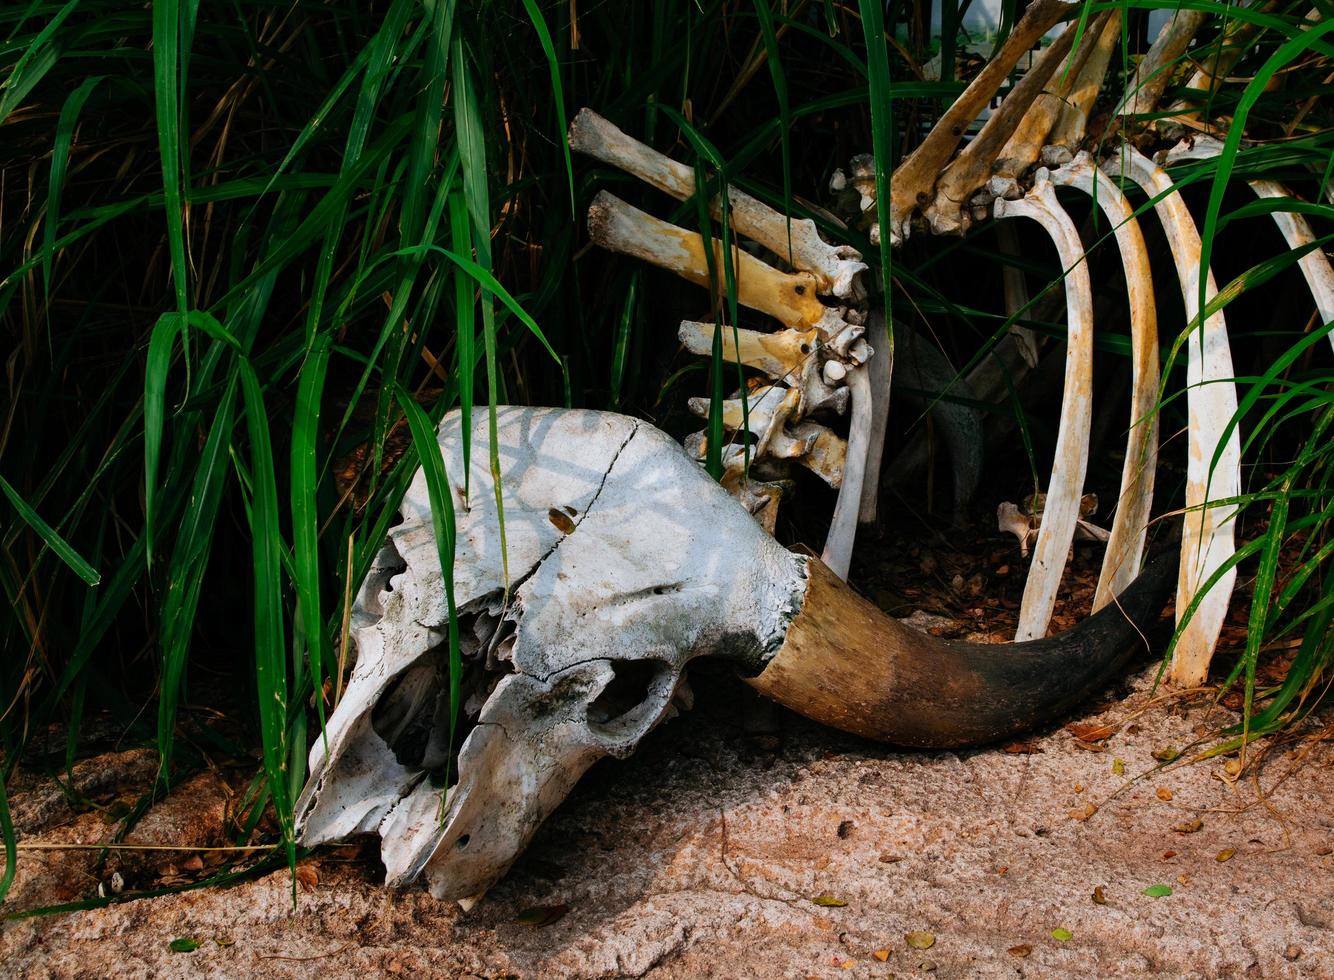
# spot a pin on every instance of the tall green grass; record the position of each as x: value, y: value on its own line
x: 250, y: 255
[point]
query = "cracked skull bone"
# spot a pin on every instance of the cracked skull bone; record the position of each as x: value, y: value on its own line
x: 619, y: 576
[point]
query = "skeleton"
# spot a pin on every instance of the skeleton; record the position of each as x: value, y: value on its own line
x: 626, y: 562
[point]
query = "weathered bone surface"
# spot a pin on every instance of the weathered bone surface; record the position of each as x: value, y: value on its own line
x: 1125, y: 547
x: 1207, y: 538
x: 836, y: 267
x: 1296, y: 230
x: 627, y: 562
x: 1072, y: 440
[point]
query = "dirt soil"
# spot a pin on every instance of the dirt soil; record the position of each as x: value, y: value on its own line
x: 744, y: 842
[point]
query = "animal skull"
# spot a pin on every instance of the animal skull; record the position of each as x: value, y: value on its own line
x: 619, y: 575
x: 626, y: 561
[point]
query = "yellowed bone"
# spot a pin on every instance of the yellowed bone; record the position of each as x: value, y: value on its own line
x: 621, y: 227
x: 779, y: 355
x: 835, y: 267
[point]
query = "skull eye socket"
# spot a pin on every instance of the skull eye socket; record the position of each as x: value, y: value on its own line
x: 635, y: 691
x: 412, y: 716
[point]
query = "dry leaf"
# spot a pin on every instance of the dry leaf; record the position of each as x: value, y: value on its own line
x: 881, y: 954
x: 1084, y: 812
x: 1118, y: 767
x: 1189, y: 827
x: 1167, y: 754
x: 1030, y: 747
x: 307, y: 877
x: 193, y: 863
x: 1164, y: 793
x: 560, y: 521
x: 1224, y: 855
x: 1023, y: 949
x: 920, y: 940
x: 1099, y: 896
x: 828, y: 901
x: 1091, y: 733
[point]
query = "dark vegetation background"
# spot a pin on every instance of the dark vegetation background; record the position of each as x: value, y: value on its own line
x: 242, y: 246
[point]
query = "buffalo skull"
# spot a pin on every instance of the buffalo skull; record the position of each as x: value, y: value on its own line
x: 625, y: 561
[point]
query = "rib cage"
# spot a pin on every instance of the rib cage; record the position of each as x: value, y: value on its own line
x: 820, y: 363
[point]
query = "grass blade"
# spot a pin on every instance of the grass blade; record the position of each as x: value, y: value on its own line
x: 48, y: 534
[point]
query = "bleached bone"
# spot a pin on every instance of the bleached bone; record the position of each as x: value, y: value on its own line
x: 1315, y: 263
x: 835, y: 267
x: 1072, y: 123
x: 880, y: 370
x: 837, y: 552
x: 915, y: 179
x: 1072, y: 439
x: 627, y: 562
x: 1011, y: 519
x: 1125, y: 548
x: 972, y: 167
x: 1155, y: 69
x: 1294, y: 227
x: 1211, y: 399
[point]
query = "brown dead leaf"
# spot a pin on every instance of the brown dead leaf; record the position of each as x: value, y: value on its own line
x: 1023, y: 949
x: 307, y: 876
x: 881, y: 954
x: 920, y: 940
x: 1164, y: 793
x: 1030, y: 747
x: 1099, y: 896
x: 1224, y: 855
x: 1091, y: 733
x: 1189, y: 827
x: 194, y: 863
x: 1084, y: 812
x: 560, y: 521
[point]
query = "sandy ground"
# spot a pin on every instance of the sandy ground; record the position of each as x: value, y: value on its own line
x: 704, y: 855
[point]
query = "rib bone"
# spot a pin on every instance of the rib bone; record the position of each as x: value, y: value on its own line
x: 1073, y: 120
x: 915, y: 178
x: 1296, y: 230
x: 843, y: 528
x: 1211, y: 398
x: 972, y: 167
x: 1125, y: 549
x: 835, y: 267
x: 1154, y: 72
x: 1072, y: 440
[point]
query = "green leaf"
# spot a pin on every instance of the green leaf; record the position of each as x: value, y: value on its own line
x: 1158, y: 891
x: 1062, y: 934
x: 441, y: 495
x: 184, y: 945
x: 47, y: 533
x: 828, y: 901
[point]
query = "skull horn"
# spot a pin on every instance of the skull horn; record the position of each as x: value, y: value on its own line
x: 846, y: 664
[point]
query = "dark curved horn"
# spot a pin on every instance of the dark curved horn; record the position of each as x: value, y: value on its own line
x: 847, y: 664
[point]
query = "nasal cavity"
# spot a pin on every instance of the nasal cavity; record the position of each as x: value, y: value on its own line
x: 626, y: 702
